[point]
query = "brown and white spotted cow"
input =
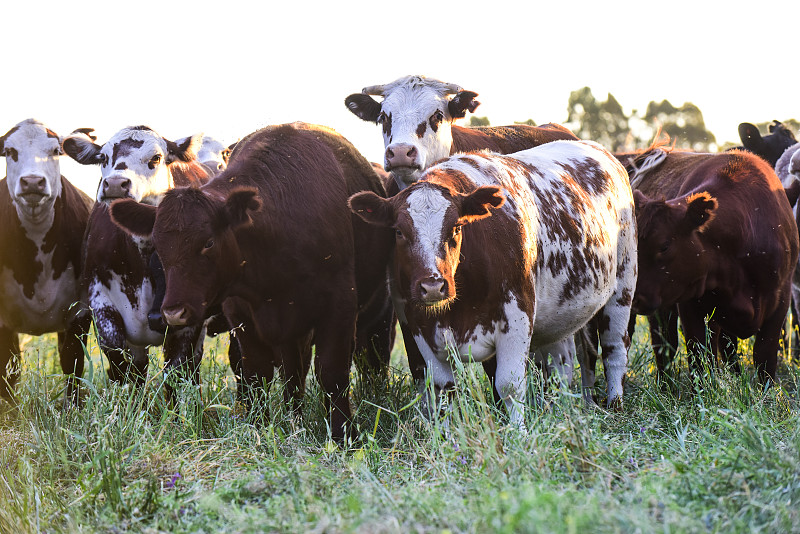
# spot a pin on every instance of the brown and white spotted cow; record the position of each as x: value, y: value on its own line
x: 271, y: 239
x: 495, y: 254
x: 139, y: 164
x: 717, y: 239
x: 417, y: 115
x: 42, y: 222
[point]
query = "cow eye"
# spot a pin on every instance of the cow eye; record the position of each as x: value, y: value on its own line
x: 57, y: 151
x: 437, y: 117
x: 103, y: 159
x: 381, y: 117
x: 155, y: 160
x: 664, y: 247
x: 209, y: 244
x: 399, y: 234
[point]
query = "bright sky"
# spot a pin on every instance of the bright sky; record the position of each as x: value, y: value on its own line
x: 229, y: 67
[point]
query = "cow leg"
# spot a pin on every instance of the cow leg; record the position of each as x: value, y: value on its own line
x: 111, y: 338
x: 9, y: 362
x: 558, y: 358
x: 490, y: 368
x: 727, y: 346
x: 765, y: 347
x: 71, y: 354
x: 694, y: 330
x: 295, y: 362
x: 183, y: 351
x: 334, y: 339
x: 586, y: 342
x: 512, y: 362
x: 664, y: 337
x: 375, y: 329
x: 612, y: 324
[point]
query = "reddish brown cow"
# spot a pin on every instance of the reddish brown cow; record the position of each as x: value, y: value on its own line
x: 717, y: 238
x: 42, y: 221
x: 272, y: 239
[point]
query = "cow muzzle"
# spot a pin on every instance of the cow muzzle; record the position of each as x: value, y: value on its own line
x: 402, y: 157
x: 434, y: 295
x: 176, y: 315
x: 115, y: 187
x: 33, y: 189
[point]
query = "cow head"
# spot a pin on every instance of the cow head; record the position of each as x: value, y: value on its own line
x: 33, y: 173
x: 671, y: 255
x: 211, y: 153
x: 769, y: 147
x: 416, y: 115
x: 193, y: 234
x: 134, y: 163
x: 427, y: 218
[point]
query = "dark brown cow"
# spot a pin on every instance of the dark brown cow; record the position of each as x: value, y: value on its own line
x: 42, y: 222
x: 717, y: 238
x: 272, y: 239
x: 139, y: 164
x: 417, y: 115
x: 769, y: 147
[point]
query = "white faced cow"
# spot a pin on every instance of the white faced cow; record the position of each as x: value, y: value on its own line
x: 140, y: 164
x: 42, y: 222
x: 495, y: 254
x: 211, y: 153
x: 417, y: 115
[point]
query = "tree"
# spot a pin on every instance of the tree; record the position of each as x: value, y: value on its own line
x: 684, y: 125
x: 478, y: 121
x: 604, y: 122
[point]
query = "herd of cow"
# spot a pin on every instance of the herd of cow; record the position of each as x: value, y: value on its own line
x: 503, y: 245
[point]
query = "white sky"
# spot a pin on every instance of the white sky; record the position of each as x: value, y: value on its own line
x: 229, y: 67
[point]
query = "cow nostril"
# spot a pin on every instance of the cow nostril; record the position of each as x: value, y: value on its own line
x: 126, y: 184
x: 413, y: 152
x: 390, y: 153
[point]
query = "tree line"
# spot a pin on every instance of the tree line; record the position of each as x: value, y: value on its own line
x: 607, y: 123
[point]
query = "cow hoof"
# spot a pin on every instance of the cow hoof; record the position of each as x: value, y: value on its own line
x: 156, y: 322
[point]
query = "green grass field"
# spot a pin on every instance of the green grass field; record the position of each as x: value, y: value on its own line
x: 716, y: 454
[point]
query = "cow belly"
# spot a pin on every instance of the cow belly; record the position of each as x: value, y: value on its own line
x: 131, y: 303
x: 52, y: 306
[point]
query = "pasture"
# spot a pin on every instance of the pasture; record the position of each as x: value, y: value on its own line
x: 717, y: 454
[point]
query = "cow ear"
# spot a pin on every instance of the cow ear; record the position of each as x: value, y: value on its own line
x: 372, y: 208
x: 750, y: 136
x: 700, y: 210
x: 461, y: 103
x: 82, y: 148
x: 478, y: 204
x: 639, y: 200
x: 363, y: 106
x: 792, y: 193
x: 134, y: 218
x: 238, y: 206
x: 184, y: 149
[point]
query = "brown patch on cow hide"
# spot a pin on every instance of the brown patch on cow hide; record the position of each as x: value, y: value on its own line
x: 421, y: 127
x: 387, y: 125
x: 124, y: 148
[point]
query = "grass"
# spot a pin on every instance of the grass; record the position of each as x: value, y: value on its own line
x: 719, y: 453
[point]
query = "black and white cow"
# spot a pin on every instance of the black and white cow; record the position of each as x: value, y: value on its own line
x: 417, y: 115
x: 211, y: 153
x: 42, y: 221
x: 135, y: 163
x: 497, y: 254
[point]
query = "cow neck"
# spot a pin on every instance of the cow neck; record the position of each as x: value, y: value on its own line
x: 36, y: 222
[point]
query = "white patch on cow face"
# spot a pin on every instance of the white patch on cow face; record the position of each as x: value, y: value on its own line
x: 133, y: 313
x: 427, y: 208
x: 408, y: 111
x: 137, y: 155
x: 32, y: 168
x: 212, y: 154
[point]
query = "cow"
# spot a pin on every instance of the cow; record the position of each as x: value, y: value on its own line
x: 42, y: 221
x: 495, y: 254
x: 788, y: 170
x: 718, y: 241
x: 769, y: 147
x: 272, y: 240
x: 118, y: 277
x: 417, y: 115
x: 211, y: 153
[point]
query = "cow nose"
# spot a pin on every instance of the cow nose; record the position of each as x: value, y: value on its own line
x: 176, y: 316
x: 432, y: 289
x: 401, y: 155
x: 116, y: 186
x: 32, y: 184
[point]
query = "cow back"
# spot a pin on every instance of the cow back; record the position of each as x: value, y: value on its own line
x: 507, y: 139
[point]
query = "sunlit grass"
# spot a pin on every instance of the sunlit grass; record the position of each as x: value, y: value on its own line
x: 716, y: 453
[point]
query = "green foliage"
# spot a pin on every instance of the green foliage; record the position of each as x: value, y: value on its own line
x: 717, y: 453
x: 607, y: 123
x: 478, y: 121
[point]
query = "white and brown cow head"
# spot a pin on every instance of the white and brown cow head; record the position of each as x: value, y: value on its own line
x: 33, y: 172
x: 427, y: 218
x: 134, y: 163
x: 416, y: 115
x: 211, y: 153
